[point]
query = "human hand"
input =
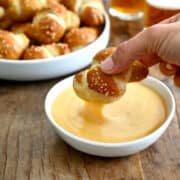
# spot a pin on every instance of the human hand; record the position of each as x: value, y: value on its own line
x: 158, y: 43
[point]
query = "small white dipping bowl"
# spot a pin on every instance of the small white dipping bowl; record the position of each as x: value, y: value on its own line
x: 40, y: 69
x: 112, y: 149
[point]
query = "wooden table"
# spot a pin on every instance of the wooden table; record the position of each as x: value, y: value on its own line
x: 30, y: 148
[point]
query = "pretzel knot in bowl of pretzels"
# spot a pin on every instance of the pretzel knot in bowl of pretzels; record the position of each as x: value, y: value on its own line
x: 95, y: 86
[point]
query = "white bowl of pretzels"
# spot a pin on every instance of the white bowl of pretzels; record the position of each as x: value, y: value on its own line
x: 48, y: 39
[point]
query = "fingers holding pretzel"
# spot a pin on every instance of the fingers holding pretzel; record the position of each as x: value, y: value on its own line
x: 96, y: 86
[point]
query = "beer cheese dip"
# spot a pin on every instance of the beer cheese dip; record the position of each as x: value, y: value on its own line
x: 136, y: 114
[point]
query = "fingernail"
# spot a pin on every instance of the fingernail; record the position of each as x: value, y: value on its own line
x: 107, y: 65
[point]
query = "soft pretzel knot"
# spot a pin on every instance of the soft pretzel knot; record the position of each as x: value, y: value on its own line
x: 12, y: 45
x: 95, y: 86
x: 91, y: 12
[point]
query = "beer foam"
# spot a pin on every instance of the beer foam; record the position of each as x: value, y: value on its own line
x: 165, y: 4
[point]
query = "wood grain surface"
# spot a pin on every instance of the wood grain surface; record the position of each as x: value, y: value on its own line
x: 31, y: 150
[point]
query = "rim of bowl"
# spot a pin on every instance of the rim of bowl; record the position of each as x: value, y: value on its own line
x: 167, y: 121
x: 45, y: 60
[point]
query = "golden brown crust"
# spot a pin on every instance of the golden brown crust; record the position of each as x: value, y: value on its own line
x: 59, y: 48
x: 80, y: 37
x: 101, y: 82
x: 23, y: 10
x: 57, y: 8
x: 45, y: 51
x: 72, y: 20
x: 12, y: 45
x: 103, y: 54
x: 73, y: 5
x: 167, y: 69
x: 8, y: 45
x: 35, y: 52
x: 91, y: 16
x: 136, y: 72
x: 91, y: 12
x: 94, y: 85
x: 20, y: 11
x: 78, y: 77
x: 46, y: 27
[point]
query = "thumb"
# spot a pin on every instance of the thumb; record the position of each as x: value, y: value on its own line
x: 142, y: 44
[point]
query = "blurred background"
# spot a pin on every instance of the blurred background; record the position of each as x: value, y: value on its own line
x: 128, y: 17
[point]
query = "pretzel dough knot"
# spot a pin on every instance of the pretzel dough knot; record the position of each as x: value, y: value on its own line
x: 95, y: 86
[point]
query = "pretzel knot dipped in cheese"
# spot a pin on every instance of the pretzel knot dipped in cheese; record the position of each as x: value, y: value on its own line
x: 95, y: 86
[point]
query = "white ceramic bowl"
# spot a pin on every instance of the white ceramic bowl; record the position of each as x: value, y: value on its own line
x: 112, y: 149
x: 54, y: 67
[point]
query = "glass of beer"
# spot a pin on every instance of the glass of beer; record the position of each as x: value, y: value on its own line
x: 158, y: 10
x: 127, y: 9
